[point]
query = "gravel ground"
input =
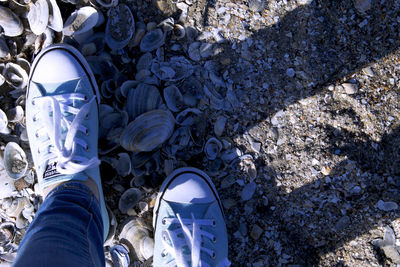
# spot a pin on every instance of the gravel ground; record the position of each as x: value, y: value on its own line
x: 313, y: 92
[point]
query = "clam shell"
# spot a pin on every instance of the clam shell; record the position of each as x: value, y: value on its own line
x: 212, y: 148
x: 38, y: 17
x: 15, y: 162
x: 15, y: 114
x: 144, y: 62
x: 55, y: 18
x: 179, y: 139
x: 107, y: 3
x: 167, y: 24
x: 144, y: 98
x: 129, y: 199
x: 3, y: 122
x: 10, y: 22
x: 173, y: 98
x: 112, y: 123
x: 127, y: 86
x: 148, y: 131
x: 152, y: 40
x: 108, y: 88
x: 139, y: 33
x: 81, y: 20
x: 123, y: 164
x: 120, y: 256
x: 120, y: 27
x: 137, y: 235
x: 4, y: 50
x: 181, y: 67
x: 178, y: 32
x: 188, y: 116
x: 7, y: 232
x: 113, y: 227
x: 15, y: 75
x: 192, y: 91
x: 17, y: 205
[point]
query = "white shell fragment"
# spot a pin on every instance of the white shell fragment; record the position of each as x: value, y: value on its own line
x: 81, y: 21
x: 15, y: 75
x: 10, y: 22
x: 15, y: 161
x: 120, y: 27
x: 38, y: 16
x: 3, y: 123
x: 137, y: 234
x: 212, y: 148
x: 152, y: 40
x: 129, y: 199
x: 15, y: 114
x: 55, y: 18
x: 148, y: 131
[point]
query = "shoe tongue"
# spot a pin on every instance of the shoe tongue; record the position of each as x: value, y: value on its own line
x: 57, y: 88
x: 186, y: 210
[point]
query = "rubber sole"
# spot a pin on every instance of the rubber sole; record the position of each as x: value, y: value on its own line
x: 170, y: 178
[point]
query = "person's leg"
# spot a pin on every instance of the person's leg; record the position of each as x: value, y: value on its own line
x: 66, y: 231
x: 188, y: 222
x: 62, y: 124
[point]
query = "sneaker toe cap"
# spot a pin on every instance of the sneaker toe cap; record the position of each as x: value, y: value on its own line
x: 189, y: 188
x: 57, y: 65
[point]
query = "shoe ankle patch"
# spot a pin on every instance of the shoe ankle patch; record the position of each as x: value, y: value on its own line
x: 51, y: 170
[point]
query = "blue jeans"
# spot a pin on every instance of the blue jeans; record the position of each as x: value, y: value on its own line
x: 66, y: 231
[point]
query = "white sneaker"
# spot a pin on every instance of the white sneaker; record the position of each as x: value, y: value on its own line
x: 62, y: 119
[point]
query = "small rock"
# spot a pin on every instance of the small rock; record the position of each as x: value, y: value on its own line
x: 256, y: 232
x: 342, y: 223
x: 368, y: 71
x: 350, y: 88
x: 255, y: 146
x: 362, y: 5
x: 219, y: 125
x: 387, y: 206
x: 290, y: 72
x: 248, y: 191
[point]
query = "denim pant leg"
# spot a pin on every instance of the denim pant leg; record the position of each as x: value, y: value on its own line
x: 66, y: 231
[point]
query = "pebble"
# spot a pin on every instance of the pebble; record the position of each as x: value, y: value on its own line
x: 342, y: 223
x: 350, y: 88
x: 248, y: 191
x: 290, y: 72
x: 387, y: 206
x: 256, y: 232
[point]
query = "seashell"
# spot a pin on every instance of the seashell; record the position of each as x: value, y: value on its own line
x: 21, y: 222
x: 4, y: 50
x: 192, y: 91
x: 15, y: 114
x: 7, y: 232
x: 138, y: 159
x: 107, y: 3
x: 108, y: 88
x: 212, y: 148
x: 102, y: 65
x: 152, y: 40
x: 139, y: 33
x: 122, y: 164
x: 176, y: 69
x: 136, y: 234
x: 173, y: 98
x: 17, y: 206
x: 113, y: 227
x: 25, y: 64
x: 10, y: 22
x: 144, y: 98
x: 129, y: 199
x: 188, y: 116
x: 144, y: 62
x: 179, y: 139
x: 81, y: 20
x: 28, y: 212
x: 127, y: 86
x: 15, y: 75
x: 38, y: 16
x: 55, y: 18
x: 216, y: 100
x: 15, y: 162
x: 148, y: 131
x: 120, y: 255
x: 3, y: 123
x: 112, y: 124
x: 120, y: 27
x: 167, y: 24
x: 230, y: 155
x: 194, y: 51
x: 178, y: 32
x: 219, y: 125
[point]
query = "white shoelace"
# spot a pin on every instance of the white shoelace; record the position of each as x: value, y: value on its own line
x: 173, y: 244
x: 57, y: 127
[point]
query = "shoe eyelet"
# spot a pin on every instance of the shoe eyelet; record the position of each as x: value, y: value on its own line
x: 38, y: 151
x: 87, y: 116
x: 164, y: 221
x: 87, y: 148
x: 33, y: 102
x: 85, y: 98
x: 163, y: 254
x: 87, y: 132
x: 37, y: 135
x: 214, y: 223
x: 213, y: 256
x: 214, y: 240
x: 34, y: 119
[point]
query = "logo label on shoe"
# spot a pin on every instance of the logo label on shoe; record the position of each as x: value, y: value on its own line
x: 51, y: 170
